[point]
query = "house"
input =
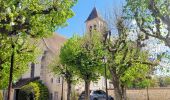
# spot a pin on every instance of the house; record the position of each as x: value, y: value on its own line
x: 41, y: 71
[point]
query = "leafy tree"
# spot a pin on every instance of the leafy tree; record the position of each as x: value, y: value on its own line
x: 34, y: 18
x: 164, y: 81
x: 25, y: 52
x: 167, y: 81
x: 126, y: 61
x: 60, y: 65
x: 152, y: 17
x: 85, y: 55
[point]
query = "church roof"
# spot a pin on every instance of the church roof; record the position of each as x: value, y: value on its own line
x: 93, y: 14
x: 54, y: 42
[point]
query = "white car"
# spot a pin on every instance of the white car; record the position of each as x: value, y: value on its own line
x: 95, y: 95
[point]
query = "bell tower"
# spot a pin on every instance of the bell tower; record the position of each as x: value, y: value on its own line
x: 95, y: 22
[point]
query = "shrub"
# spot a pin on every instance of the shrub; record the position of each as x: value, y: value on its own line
x: 35, y: 90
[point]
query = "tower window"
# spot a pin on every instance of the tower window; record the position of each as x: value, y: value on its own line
x: 90, y: 28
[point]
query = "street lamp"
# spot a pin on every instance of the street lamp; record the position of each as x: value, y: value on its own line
x: 105, y: 60
x: 62, y: 87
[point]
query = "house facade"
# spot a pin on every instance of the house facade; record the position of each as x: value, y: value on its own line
x: 41, y: 70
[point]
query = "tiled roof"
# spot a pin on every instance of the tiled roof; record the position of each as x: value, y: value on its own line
x: 24, y: 81
x: 93, y: 14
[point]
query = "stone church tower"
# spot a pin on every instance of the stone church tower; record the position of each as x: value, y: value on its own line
x: 95, y: 22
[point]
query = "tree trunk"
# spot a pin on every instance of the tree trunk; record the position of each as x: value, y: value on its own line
x: 147, y: 90
x: 68, y: 90
x: 11, y: 73
x: 119, y: 90
x: 87, y: 90
x: 123, y: 92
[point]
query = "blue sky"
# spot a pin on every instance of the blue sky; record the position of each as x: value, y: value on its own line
x: 82, y: 10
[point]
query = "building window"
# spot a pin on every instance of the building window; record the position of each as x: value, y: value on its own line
x: 58, y: 80
x: 32, y: 69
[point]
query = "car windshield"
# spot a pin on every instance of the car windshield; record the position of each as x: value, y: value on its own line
x: 99, y: 92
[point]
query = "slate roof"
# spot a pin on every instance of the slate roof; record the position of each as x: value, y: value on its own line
x: 93, y: 14
x: 24, y: 81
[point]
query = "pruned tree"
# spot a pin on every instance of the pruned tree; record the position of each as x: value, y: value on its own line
x: 152, y: 17
x: 126, y: 61
x: 86, y: 56
x: 31, y: 18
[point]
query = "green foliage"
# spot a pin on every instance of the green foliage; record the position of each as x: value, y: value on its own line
x: 1, y: 96
x: 34, y: 17
x: 74, y: 95
x: 83, y: 55
x: 130, y: 65
x: 164, y: 81
x: 39, y: 91
x: 167, y: 81
x: 32, y: 87
x: 87, y: 57
x: 25, y: 52
x: 61, y: 65
x: 126, y: 60
x: 22, y: 20
x: 151, y: 16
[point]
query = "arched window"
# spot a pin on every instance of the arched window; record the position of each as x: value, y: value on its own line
x: 90, y: 28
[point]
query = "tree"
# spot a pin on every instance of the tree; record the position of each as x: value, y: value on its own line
x: 34, y: 18
x: 60, y: 65
x: 24, y: 54
x: 167, y: 81
x: 86, y: 55
x: 126, y: 61
x: 152, y: 17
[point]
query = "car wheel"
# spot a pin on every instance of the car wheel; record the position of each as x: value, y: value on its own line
x: 95, y: 99
x: 111, y: 99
